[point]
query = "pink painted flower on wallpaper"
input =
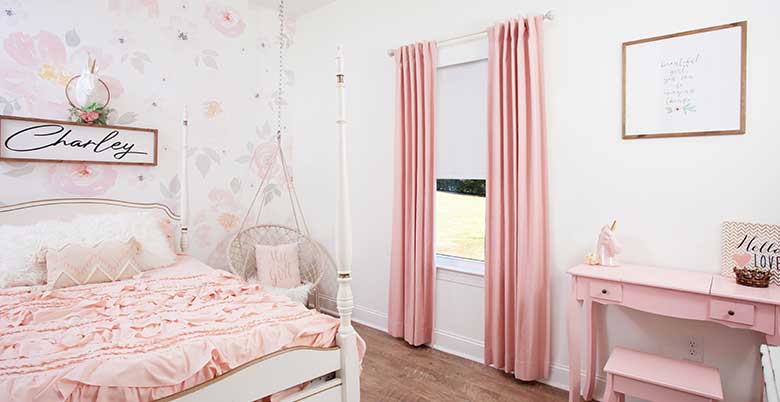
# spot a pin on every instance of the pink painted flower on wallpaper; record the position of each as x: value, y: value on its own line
x: 35, y: 51
x: 220, y: 220
x: 40, y: 69
x: 264, y: 161
x: 224, y: 19
x: 33, y: 95
x: 78, y: 58
x: 150, y: 7
x: 82, y: 179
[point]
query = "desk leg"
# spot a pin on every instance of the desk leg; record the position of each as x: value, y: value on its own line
x: 591, y: 316
x: 574, y: 343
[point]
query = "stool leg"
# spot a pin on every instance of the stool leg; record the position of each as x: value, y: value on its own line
x: 609, y: 392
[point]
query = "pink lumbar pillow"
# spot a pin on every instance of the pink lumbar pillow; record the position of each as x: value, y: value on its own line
x: 278, y: 266
x: 80, y: 264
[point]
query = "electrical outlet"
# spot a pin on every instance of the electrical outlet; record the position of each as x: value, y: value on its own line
x: 693, y: 351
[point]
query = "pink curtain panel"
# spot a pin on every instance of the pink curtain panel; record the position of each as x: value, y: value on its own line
x: 411, y: 266
x: 517, y: 291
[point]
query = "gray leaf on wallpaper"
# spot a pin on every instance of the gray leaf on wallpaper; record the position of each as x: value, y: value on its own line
x: 210, y: 62
x: 243, y: 159
x: 214, y: 155
x: 21, y: 171
x: 203, y: 163
x: 143, y: 56
x: 267, y: 198
x: 250, y: 147
x: 72, y: 38
x: 138, y: 64
x: 191, y: 151
x: 175, y: 185
x: 127, y: 118
x: 164, y: 191
x: 235, y: 185
x: 265, y: 131
x: 8, y: 109
x: 209, y: 52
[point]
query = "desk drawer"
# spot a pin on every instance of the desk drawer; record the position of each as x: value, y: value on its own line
x: 732, y: 311
x: 606, y: 290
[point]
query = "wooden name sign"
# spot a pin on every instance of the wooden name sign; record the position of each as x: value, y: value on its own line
x: 750, y: 245
x: 28, y: 139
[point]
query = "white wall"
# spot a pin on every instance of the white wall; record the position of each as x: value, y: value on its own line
x: 669, y: 195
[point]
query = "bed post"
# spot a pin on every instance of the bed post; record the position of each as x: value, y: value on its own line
x: 184, y: 241
x: 347, y: 337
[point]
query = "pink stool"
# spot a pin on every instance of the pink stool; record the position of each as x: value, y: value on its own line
x: 660, y: 379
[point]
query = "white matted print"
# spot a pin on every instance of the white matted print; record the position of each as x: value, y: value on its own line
x: 750, y: 245
x: 32, y: 139
x: 685, y: 84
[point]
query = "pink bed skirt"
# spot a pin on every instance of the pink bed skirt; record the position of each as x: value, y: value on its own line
x: 145, y: 338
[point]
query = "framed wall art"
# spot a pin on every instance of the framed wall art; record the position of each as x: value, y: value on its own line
x: 31, y: 139
x: 685, y: 84
x: 750, y: 245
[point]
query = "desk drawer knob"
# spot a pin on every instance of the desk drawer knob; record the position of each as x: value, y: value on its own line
x: 603, y: 291
x: 731, y: 313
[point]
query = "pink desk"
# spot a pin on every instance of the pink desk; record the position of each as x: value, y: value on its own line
x: 668, y: 292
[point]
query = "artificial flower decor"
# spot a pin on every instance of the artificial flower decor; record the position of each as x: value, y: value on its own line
x: 94, y: 113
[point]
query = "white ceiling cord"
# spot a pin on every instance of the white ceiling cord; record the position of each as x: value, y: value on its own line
x: 280, y: 88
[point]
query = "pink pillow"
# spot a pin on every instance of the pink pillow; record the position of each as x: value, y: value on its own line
x: 80, y: 264
x: 278, y: 266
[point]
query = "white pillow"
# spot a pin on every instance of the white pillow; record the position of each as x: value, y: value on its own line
x: 20, y: 246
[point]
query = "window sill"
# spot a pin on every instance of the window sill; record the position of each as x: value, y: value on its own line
x: 462, y: 265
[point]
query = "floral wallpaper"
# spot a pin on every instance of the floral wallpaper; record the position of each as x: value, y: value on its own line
x: 217, y: 57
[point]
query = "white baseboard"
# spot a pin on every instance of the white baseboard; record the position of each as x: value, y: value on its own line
x: 360, y: 314
x: 458, y: 345
x: 455, y: 344
x: 559, y: 378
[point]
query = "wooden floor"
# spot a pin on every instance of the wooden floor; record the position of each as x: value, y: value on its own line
x: 393, y: 371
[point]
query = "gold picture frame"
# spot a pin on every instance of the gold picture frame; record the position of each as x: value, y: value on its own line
x: 742, y: 25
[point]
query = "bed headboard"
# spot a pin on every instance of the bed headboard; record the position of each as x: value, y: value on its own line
x: 64, y: 209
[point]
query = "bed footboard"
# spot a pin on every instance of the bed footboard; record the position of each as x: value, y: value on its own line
x: 267, y: 375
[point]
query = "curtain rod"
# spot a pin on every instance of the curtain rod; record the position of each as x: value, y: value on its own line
x: 443, y: 42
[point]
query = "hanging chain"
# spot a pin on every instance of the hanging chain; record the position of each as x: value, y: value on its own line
x: 280, y: 89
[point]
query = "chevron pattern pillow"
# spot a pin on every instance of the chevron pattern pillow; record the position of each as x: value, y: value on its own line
x: 80, y: 264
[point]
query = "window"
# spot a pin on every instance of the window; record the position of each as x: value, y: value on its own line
x: 460, y: 218
x: 461, y: 161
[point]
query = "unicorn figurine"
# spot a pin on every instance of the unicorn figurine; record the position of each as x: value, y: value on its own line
x: 86, y: 84
x: 608, y: 247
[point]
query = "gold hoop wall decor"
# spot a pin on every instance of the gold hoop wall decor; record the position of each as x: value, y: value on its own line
x: 70, y: 101
x: 92, y: 113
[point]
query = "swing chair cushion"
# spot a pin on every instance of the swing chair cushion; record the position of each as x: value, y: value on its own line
x: 278, y: 266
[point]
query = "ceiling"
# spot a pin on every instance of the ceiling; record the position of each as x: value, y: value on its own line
x: 295, y: 8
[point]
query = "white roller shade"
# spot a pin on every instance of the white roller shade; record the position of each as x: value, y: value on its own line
x: 461, y: 121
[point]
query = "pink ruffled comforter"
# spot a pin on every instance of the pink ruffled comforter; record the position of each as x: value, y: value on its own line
x: 145, y: 338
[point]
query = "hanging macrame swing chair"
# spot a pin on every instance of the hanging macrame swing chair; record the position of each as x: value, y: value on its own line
x: 313, y: 259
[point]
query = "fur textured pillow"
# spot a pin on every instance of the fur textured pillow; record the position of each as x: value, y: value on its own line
x: 278, y: 266
x: 20, y: 245
x: 80, y: 264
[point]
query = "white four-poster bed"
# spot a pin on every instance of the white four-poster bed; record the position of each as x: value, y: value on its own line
x: 277, y: 371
